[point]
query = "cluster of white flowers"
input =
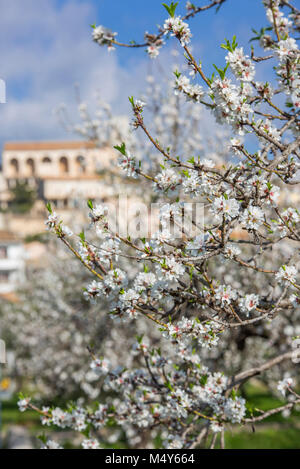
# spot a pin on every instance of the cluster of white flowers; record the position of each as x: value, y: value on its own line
x: 192, y: 92
x: 271, y: 192
x: 284, y: 385
x: 170, y: 269
x: 241, y: 65
x: 232, y: 251
x: 169, y: 213
x: 235, y: 409
x: 283, y: 24
x: 286, y: 273
x: 252, y: 217
x: 93, y: 291
x: 196, y: 245
x: 192, y: 184
x: 54, y: 224
x: 248, y: 303
x: 104, y: 37
x: 185, y: 330
x: 225, y: 207
x: 179, y: 29
x: 100, y: 366
x: 128, y: 164
x: 267, y: 128
x: 288, y: 69
x: 153, y: 51
x: 98, y: 213
x: 264, y: 89
x: 50, y: 444
x: 231, y: 103
x: 92, y: 443
x: 224, y: 294
x: 23, y: 404
x: 167, y: 180
x: 288, y: 220
x: 52, y: 221
x: 144, y: 281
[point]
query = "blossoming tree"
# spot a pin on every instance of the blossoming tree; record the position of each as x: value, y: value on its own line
x: 225, y: 302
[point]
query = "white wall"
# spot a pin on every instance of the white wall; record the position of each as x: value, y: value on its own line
x: 14, y: 264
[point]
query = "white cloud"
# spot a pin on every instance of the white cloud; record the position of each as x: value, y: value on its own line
x: 44, y: 51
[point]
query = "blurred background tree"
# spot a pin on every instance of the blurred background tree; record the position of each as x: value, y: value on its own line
x: 23, y: 198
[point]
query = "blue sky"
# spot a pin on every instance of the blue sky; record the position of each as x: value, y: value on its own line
x: 46, y: 48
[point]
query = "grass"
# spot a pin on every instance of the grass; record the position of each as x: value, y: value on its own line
x: 12, y: 416
x: 269, y: 438
x: 276, y: 432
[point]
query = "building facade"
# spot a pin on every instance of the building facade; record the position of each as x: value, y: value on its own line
x: 61, y: 172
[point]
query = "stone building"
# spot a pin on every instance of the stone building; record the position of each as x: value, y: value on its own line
x: 61, y: 172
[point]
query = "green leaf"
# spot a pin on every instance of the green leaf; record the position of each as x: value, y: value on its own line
x: 49, y: 208
x: 90, y: 204
x: 269, y: 186
x: 171, y: 9
x: 82, y: 236
x: 203, y: 380
x: 139, y: 338
x: 230, y: 46
x: 220, y: 71
x: 42, y: 438
x: 121, y: 148
x: 259, y: 34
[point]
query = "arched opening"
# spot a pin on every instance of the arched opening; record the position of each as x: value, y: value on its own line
x: 64, y: 165
x: 47, y: 160
x: 30, y: 167
x: 80, y: 164
x: 14, y: 167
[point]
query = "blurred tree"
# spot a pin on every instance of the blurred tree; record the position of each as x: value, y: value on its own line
x: 23, y: 198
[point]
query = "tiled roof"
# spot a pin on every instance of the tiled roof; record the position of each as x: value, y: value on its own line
x: 10, y: 297
x: 54, y: 145
x: 7, y: 236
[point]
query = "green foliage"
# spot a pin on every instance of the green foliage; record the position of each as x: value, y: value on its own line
x: 49, y: 208
x: 171, y: 9
x: 82, y: 236
x: 230, y: 46
x: 121, y: 148
x: 221, y: 72
x: 39, y: 237
x: 259, y: 34
x: 23, y: 198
